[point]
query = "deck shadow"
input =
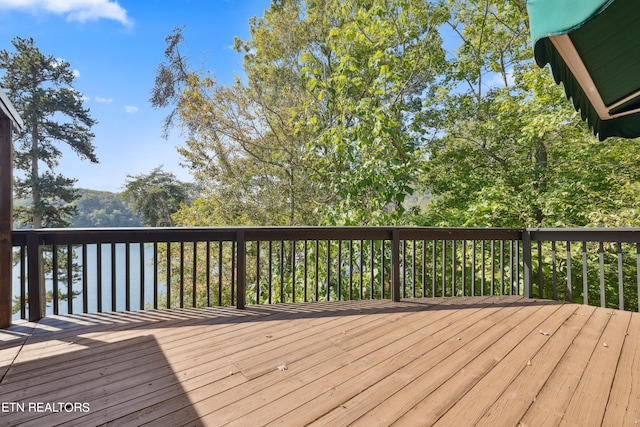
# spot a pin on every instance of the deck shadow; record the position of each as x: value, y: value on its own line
x: 91, y: 385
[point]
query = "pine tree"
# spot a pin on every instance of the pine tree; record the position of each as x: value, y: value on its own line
x: 40, y: 87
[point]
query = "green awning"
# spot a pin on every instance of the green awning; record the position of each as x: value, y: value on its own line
x: 593, y: 47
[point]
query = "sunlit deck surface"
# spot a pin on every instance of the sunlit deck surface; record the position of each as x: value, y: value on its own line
x: 456, y: 361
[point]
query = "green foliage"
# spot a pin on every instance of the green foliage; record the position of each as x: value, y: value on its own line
x: 156, y: 196
x: 241, y: 147
x: 372, y: 74
x: 40, y: 87
x: 512, y: 151
x: 103, y: 209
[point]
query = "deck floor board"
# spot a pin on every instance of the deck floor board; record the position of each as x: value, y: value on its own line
x: 454, y: 361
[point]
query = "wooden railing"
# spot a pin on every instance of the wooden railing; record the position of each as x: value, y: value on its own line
x: 96, y: 270
x: 595, y: 266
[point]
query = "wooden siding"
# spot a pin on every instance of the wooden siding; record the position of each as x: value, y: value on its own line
x: 455, y: 361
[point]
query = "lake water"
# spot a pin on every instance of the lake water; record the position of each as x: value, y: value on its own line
x: 92, y: 280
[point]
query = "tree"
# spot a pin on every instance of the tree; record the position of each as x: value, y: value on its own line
x: 326, y: 127
x: 241, y: 146
x: 40, y: 87
x: 156, y: 196
x: 512, y: 151
x: 103, y: 209
x: 373, y: 73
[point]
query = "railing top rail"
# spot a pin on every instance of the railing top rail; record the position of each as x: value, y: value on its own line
x: 52, y: 236
x: 631, y: 235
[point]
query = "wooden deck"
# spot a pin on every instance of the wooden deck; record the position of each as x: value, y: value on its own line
x: 456, y: 361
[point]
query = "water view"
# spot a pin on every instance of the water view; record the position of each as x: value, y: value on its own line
x: 92, y: 280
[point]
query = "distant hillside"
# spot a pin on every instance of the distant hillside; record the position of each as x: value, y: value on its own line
x: 103, y: 209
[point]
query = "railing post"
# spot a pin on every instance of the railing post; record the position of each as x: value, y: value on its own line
x: 6, y: 221
x: 526, y: 261
x: 241, y: 269
x: 36, y: 300
x: 395, y: 265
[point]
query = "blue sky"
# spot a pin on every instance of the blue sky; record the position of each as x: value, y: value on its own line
x: 115, y: 47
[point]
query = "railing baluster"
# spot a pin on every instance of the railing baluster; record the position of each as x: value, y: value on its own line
x: 54, y: 260
x: 112, y: 258
x: 208, y: 271
x: 493, y: 268
x: 454, y: 289
x: 69, y: 279
x: 85, y: 286
x: 127, y: 276
x: 383, y: 288
x: 585, y: 283
x: 554, y: 271
x: 194, y: 275
x: 99, y: 272
x: 328, y: 270
x: 23, y: 282
x: 270, y: 270
x: 282, y: 271
x: 293, y: 271
x: 142, y: 278
x: 569, y: 284
x: 317, y: 266
x: 403, y: 266
x: 413, y: 268
x: 473, y: 268
x: 350, y: 270
x: 233, y: 271
x: 540, y: 282
x: 502, y: 267
x: 424, y: 268
x: 511, y: 268
x: 395, y: 265
x: 620, y: 278
x: 306, y: 270
x: 517, y: 267
x: 339, y: 284
x: 601, y: 259
x: 258, y: 272
x: 168, y: 275
x: 527, y: 264
x: 483, y: 266
x: 242, y: 271
x: 434, y: 267
x: 155, y: 275
x: 181, y: 274
x: 220, y: 260
x: 361, y: 266
x: 464, y: 267
x: 444, y: 268
x: 372, y: 267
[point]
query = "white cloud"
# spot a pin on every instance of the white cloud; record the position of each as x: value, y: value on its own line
x: 104, y: 100
x: 131, y: 109
x: 75, y: 10
x: 76, y: 73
